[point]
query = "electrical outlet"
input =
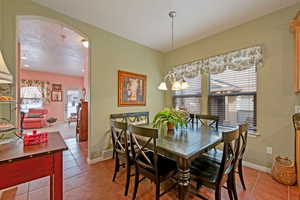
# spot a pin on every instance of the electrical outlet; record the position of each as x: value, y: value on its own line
x: 297, y: 108
x: 269, y: 150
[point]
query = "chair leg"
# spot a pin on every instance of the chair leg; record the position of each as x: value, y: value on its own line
x: 127, y: 178
x: 117, y: 166
x: 240, y: 167
x: 218, y: 193
x: 157, y: 191
x: 136, y: 183
x: 198, y: 186
x: 233, y: 185
x: 229, y: 189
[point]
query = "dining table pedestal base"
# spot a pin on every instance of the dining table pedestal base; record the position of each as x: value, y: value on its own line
x: 184, y: 178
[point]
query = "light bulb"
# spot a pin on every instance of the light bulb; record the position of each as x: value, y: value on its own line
x: 184, y: 84
x: 176, y: 85
x: 85, y: 43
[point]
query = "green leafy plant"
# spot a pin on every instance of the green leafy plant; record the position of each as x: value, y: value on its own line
x: 170, y: 116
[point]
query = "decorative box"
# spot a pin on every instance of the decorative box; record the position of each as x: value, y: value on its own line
x: 35, y: 138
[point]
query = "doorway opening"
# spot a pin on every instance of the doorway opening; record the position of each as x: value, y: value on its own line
x: 52, y: 77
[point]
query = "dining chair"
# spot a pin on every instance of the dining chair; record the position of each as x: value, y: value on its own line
x: 121, y: 148
x: 148, y: 162
x: 191, y: 118
x: 210, y: 120
x: 216, y: 154
x: 214, y: 175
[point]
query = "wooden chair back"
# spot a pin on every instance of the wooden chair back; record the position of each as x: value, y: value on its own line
x: 145, y: 156
x: 296, y: 121
x: 132, y: 118
x: 213, y: 121
x: 243, y: 131
x: 120, y: 138
x: 230, y: 155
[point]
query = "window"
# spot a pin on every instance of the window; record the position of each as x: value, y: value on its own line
x: 31, y: 97
x: 189, y: 99
x: 232, y: 97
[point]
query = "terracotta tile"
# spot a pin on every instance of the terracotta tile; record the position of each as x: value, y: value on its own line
x: 22, y: 189
x: 69, y: 164
x: 73, y: 171
x: 21, y: 197
x: 94, y: 182
x: 40, y: 194
x: 39, y: 183
x: 267, y: 188
x: 294, y: 193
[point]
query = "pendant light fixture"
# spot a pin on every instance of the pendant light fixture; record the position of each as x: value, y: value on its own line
x: 85, y: 43
x: 176, y: 84
x: 184, y: 84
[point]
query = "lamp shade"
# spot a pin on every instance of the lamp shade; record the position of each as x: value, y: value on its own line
x: 5, y: 75
x: 184, y: 85
x: 163, y: 86
x: 176, y: 85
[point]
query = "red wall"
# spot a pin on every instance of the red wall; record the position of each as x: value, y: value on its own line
x: 55, y: 109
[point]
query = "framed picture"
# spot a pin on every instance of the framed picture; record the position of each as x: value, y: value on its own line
x: 131, y: 89
x: 56, y: 87
x: 57, y: 96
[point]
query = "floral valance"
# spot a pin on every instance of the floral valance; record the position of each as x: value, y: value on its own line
x: 43, y: 86
x: 236, y: 60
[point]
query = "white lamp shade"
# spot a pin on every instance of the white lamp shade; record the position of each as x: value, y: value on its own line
x: 85, y: 43
x: 5, y: 75
x: 176, y: 85
x: 162, y: 86
x: 184, y: 85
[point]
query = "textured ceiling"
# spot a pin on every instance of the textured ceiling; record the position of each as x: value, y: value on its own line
x: 50, y: 47
x: 147, y: 22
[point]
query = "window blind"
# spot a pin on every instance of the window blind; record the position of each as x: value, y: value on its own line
x: 189, y: 99
x: 232, y: 97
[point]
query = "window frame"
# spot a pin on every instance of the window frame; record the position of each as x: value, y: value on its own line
x: 254, y: 94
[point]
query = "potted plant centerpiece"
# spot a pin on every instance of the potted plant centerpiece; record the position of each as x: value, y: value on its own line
x: 170, y: 118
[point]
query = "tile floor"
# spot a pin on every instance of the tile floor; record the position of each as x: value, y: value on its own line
x: 93, y: 182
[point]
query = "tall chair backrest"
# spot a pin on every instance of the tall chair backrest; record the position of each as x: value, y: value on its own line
x: 243, y: 131
x: 191, y: 118
x: 230, y: 153
x: 145, y: 151
x: 132, y: 118
x: 296, y: 122
x: 120, y: 138
x: 213, y: 121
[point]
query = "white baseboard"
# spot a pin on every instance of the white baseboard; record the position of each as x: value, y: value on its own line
x: 257, y: 167
x: 106, y: 155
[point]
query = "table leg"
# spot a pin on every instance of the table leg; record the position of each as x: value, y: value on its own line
x: 51, y: 187
x: 58, y: 176
x: 184, y: 178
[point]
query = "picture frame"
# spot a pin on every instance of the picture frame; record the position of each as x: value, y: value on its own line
x: 57, y: 96
x: 56, y: 87
x: 132, y: 89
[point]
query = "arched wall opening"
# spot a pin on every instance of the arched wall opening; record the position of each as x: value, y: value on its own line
x: 67, y: 48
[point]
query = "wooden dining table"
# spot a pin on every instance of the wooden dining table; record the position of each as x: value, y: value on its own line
x: 185, y: 144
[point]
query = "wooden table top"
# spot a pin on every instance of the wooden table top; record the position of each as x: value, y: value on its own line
x: 16, y: 150
x: 187, y: 142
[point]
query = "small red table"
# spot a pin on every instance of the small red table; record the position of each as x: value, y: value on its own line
x: 20, y: 164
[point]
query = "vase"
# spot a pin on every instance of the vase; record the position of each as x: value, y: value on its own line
x: 170, y: 126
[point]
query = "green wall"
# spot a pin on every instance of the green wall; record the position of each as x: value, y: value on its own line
x: 108, y: 54
x: 275, y: 93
